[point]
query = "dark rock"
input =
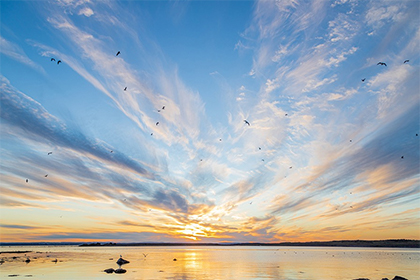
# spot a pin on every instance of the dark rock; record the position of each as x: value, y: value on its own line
x: 121, y: 261
x: 120, y: 271
x: 361, y: 279
x: 174, y: 260
x: 109, y: 270
x: 13, y: 275
x: 399, y: 278
x: 27, y: 260
x: 385, y: 278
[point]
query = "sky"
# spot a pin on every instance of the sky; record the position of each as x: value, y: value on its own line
x: 151, y: 145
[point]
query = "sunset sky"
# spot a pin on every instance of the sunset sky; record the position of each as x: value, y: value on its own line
x: 326, y: 156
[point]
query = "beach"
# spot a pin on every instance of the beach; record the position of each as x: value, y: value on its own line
x: 209, y: 262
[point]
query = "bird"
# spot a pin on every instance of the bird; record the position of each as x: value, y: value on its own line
x: 417, y: 134
x: 151, y: 134
x: 220, y: 139
x: 52, y: 59
x: 111, y: 151
x: 402, y: 157
x: 285, y: 115
x: 247, y: 122
x: 27, y: 260
x: 381, y: 63
x: 259, y: 148
x: 117, y: 53
x: 364, y: 79
x: 406, y: 61
x: 157, y: 123
x: 351, y: 140
x: 125, y: 88
x: 49, y: 153
x: 58, y: 62
x: 262, y: 160
x: 46, y: 175
x: 290, y: 167
x: 163, y: 108
x: 27, y: 180
x: 145, y: 255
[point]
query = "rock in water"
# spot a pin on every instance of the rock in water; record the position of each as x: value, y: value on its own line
x: 120, y: 271
x: 109, y: 270
x: 399, y: 278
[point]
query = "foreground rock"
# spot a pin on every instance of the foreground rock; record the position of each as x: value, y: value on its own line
x: 109, y: 270
x: 120, y: 271
x: 395, y: 278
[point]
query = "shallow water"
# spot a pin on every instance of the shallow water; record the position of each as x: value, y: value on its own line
x: 211, y: 262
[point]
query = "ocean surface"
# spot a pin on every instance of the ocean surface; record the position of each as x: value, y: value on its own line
x: 210, y: 262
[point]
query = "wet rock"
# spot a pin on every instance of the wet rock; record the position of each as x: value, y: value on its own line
x: 120, y: 271
x: 385, y: 278
x: 399, y: 278
x: 27, y: 260
x: 13, y: 275
x: 361, y: 279
x: 174, y: 260
x: 109, y: 270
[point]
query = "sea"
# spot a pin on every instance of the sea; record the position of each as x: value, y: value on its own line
x: 209, y: 262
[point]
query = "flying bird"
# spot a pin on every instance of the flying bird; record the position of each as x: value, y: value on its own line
x: 285, y: 115
x: 262, y: 160
x: 27, y: 180
x: 220, y: 139
x: 417, y: 134
x: 381, y: 63
x: 402, y: 157
x: 145, y: 255
x: 247, y: 122
x: 46, y: 175
x: 52, y: 59
x: 151, y: 134
x: 163, y: 108
x: 290, y: 167
x: 125, y: 88
x: 58, y: 62
x: 112, y: 151
x: 364, y: 79
x: 117, y: 53
x: 351, y: 140
x: 157, y: 123
x: 259, y: 148
x: 406, y: 61
x: 49, y: 153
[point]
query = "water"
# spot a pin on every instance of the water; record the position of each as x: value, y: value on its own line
x: 212, y: 262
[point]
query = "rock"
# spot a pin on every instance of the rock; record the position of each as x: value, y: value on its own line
x: 399, y: 278
x: 120, y: 271
x: 385, y: 278
x: 122, y: 261
x: 27, y: 260
x: 174, y: 260
x: 361, y: 279
x: 109, y: 270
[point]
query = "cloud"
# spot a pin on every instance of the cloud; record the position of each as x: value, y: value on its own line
x: 86, y: 12
x: 25, y: 113
x: 15, y: 52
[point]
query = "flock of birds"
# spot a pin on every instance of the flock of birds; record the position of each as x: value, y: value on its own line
x: 220, y: 139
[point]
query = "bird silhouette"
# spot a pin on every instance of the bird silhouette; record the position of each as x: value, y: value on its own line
x: 351, y: 140
x: 52, y: 59
x: 49, y: 153
x: 46, y: 175
x: 163, y: 108
x: 220, y: 139
x: 285, y: 115
x: 259, y: 148
x: 247, y: 122
x: 125, y: 88
x: 145, y: 255
x: 151, y: 134
x: 27, y: 180
x: 111, y: 151
x: 58, y: 62
x: 117, y: 53
x: 262, y: 160
x: 417, y: 134
x: 157, y: 123
x: 364, y: 79
x: 381, y: 63
x: 290, y: 167
x: 406, y: 61
x: 402, y: 157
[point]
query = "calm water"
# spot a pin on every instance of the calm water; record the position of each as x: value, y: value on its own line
x: 213, y: 263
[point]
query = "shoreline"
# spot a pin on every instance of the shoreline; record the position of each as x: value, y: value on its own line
x: 389, y: 243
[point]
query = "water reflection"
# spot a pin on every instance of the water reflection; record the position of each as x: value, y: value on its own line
x: 214, y: 263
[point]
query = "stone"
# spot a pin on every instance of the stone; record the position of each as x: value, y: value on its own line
x: 109, y: 270
x: 120, y: 271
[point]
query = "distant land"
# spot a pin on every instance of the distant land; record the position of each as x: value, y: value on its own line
x: 389, y: 243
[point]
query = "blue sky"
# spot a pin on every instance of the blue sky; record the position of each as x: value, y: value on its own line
x: 326, y: 155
